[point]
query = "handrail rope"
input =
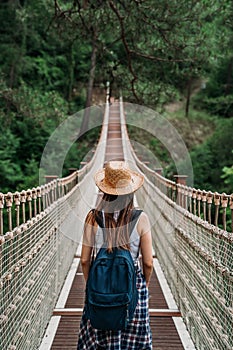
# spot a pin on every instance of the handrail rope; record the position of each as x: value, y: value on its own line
x: 190, y: 197
x: 187, y: 197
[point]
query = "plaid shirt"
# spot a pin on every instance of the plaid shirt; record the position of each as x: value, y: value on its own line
x: 137, y: 335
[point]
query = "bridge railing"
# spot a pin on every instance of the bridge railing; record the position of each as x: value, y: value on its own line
x: 19, y: 207
x: 195, y: 254
x: 43, y: 229
x: 213, y: 207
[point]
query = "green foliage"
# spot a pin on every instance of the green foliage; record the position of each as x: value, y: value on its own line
x: 227, y: 176
x: 217, y: 97
x: 38, y: 87
x: 221, y: 105
x: 81, y: 150
x: 25, y: 130
x: 11, y: 173
x: 209, y: 159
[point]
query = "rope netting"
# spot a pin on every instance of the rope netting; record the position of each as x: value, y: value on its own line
x: 195, y: 255
x: 36, y: 255
x: 34, y: 261
x: 198, y: 264
x: 213, y: 207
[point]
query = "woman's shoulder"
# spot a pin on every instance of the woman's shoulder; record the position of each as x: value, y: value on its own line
x: 90, y: 217
x: 143, y: 225
x: 143, y: 218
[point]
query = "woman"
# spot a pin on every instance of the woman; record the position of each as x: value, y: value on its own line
x: 118, y: 184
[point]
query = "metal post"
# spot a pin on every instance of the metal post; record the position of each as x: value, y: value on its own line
x: 217, y: 204
x: 9, y: 201
x: 231, y: 207
x: 224, y: 202
x: 38, y: 190
x: 209, y: 203
x: 199, y: 203
x: 204, y: 194
x: 34, y: 197
x: 23, y: 201
x: 17, y: 207
x: 1, y: 212
x: 180, y: 180
x: 29, y: 200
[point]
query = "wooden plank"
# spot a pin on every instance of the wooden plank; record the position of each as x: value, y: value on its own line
x: 153, y: 312
x: 164, y: 313
x: 79, y: 256
x: 164, y: 334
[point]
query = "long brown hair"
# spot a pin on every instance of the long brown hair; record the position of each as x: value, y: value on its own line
x: 116, y: 231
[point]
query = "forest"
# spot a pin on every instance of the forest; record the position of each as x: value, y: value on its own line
x: 175, y: 57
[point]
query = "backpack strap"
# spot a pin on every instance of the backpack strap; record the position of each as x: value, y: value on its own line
x: 135, y: 215
x: 99, y: 219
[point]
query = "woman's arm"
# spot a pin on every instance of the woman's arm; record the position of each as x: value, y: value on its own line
x: 146, y: 246
x: 87, y: 244
x: 86, y: 260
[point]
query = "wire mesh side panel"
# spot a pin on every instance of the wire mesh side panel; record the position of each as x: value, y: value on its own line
x: 34, y: 260
x: 197, y: 259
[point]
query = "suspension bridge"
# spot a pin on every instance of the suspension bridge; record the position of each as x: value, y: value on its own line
x: 41, y: 282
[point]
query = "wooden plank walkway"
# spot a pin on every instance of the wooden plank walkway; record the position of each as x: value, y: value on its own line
x: 164, y: 332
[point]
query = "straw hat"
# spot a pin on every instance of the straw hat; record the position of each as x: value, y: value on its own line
x: 116, y: 178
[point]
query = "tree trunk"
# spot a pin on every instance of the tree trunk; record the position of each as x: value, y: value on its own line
x: 71, y: 73
x: 17, y: 66
x: 85, y: 121
x: 229, y: 77
x: 189, y: 90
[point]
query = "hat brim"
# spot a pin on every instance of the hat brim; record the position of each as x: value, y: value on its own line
x: 135, y: 183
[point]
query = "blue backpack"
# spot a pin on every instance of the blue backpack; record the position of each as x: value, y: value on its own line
x: 111, y: 293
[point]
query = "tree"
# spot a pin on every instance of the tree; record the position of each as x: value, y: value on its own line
x: 217, y: 97
x: 209, y: 159
x: 228, y: 179
x: 172, y: 42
